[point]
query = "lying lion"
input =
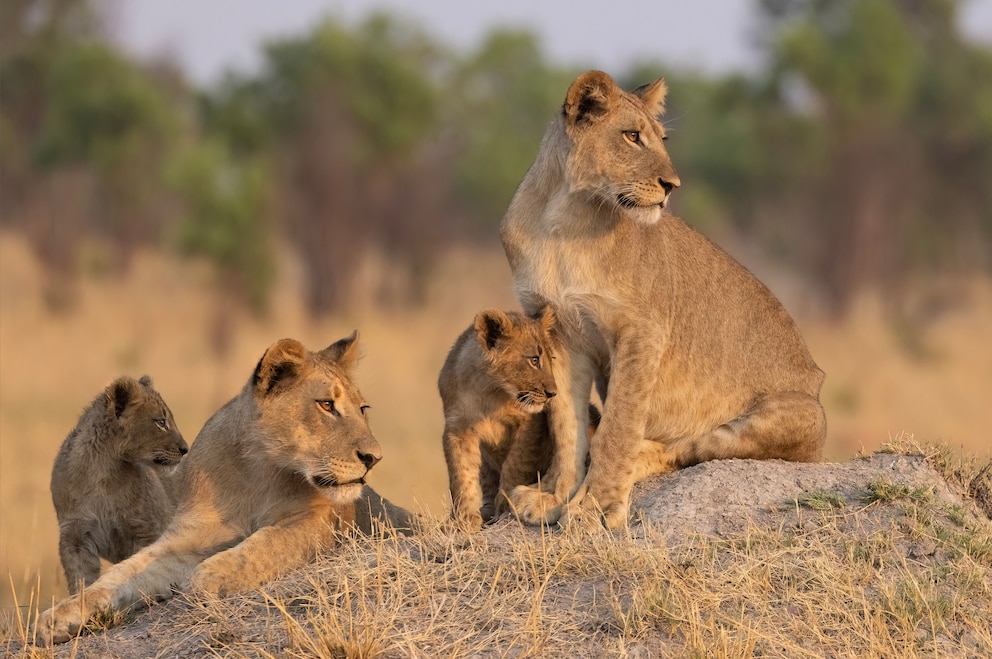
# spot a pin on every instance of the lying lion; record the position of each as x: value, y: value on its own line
x: 694, y: 358
x: 272, y: 479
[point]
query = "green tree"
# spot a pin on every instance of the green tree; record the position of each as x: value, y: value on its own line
x: 352, y: 114
x: 869, y: 136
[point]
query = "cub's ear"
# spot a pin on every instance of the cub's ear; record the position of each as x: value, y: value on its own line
x: 547, y: 319
x: 280, y: 362
x: 490, y: 326
x: 120, y: 393
x: 146, y: 380
x: 344, y: 353
x: 653, y: 94
x: 589, y: 97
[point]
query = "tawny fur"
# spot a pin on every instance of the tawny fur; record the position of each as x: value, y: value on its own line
x: 494, y: 385
x: 272, y: 479
x: 114, y: 483
x: 695, y: 359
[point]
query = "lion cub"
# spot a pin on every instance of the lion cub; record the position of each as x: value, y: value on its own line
x: 113, y: 483
x: 494, y: 386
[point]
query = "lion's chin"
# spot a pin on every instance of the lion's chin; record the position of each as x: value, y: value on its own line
x: 344, y: 493
x: 644, y: 214
x: 531, y: 407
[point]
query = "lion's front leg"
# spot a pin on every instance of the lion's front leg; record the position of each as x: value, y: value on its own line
x: 568, y: 424
x: 463, y: 456
x: 147, y: 575
x: 267, y: 554
x: 615, y: 449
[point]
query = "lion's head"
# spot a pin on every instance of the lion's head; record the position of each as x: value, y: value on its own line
x: 517, y: 352
x: 618, y: 154
x: 313, y: 417
x: 149, y: 431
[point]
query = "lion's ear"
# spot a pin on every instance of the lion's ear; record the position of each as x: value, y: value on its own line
x: 589, y: 97
x: 653, y: 94
x: 282, y: 360
x: 120, y: 393
x: 344, y: 353
x: 547, y: 319
x: 490, y: 326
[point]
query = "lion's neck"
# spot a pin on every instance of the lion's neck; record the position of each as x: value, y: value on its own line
x: 545, y: 202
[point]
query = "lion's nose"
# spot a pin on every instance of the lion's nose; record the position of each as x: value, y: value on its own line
x: 368, y: 459
x: 669, y: 184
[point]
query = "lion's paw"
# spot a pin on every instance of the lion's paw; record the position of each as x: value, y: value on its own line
x: 60, y: 623
x: 586, y: 514
x: 534, y: 506
x: 468, y: 521
x: 210, y: 579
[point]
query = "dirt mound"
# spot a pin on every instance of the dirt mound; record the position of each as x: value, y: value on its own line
x: 878, y: 556
x: 724, y: 497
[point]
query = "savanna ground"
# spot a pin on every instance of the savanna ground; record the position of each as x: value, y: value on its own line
x: 930, y: 378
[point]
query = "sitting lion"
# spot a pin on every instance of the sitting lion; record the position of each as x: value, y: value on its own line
x: 494, y: 385
x: 272, y: 479
x: 114, y: 484
x: 694, y: 358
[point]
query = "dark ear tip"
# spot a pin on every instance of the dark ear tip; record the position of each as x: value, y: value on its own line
x: 119, y: 393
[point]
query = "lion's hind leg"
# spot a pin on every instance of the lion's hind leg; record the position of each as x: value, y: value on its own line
x: 787, y: 426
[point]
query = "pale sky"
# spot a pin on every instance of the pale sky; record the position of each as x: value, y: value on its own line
x: 209, y: 36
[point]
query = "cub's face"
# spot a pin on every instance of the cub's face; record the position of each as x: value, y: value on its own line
x: 517, y: 352
x: 618, y: 153
x: 314, y: 419
x: 149, y: 428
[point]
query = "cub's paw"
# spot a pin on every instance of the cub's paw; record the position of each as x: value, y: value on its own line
x: 469, y: 521
x: 534, y: 506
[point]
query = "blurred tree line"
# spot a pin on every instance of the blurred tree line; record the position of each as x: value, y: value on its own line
x: 860, y: 154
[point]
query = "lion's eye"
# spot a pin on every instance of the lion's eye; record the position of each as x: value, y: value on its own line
x: 162, y: 424
x: 632, y: 136
x: 365, y: 409
x: 534, y: 361
x: 328, y: 406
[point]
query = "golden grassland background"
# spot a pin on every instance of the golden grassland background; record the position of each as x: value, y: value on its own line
x: 932, y: 380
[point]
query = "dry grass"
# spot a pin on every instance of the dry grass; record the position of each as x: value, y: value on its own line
x: 896, y: 577
x: 156, y: 322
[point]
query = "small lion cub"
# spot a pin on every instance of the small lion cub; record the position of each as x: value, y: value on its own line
x: 494, y: 386
x: 114, y: 482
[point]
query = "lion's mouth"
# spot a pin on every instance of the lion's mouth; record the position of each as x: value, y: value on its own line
x: 626, y: 201
x: 629, y: 202
x: 327, y: 480
x: 531, y: 402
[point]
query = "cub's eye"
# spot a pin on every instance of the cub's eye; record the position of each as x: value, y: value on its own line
x: 632, y: 136
x: 365, y: 409
x: 534, y: 361
x: 664, y: 138
x: 328, y: 406
x: 162, y: 424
